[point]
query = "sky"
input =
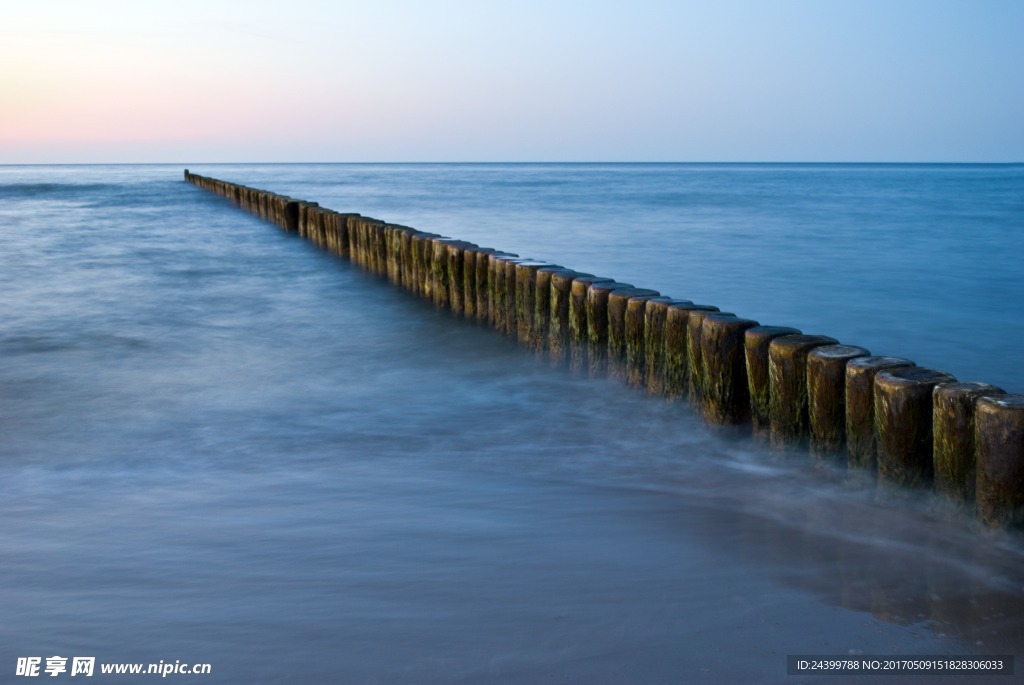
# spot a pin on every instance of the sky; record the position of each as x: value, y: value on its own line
x: 553, y: 80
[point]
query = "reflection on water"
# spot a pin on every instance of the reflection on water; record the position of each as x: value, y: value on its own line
x: 221, y: 445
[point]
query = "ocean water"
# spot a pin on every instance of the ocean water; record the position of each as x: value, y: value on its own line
x: 221, y: 445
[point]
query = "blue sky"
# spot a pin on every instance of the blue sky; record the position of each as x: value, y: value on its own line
x: 392, y: 80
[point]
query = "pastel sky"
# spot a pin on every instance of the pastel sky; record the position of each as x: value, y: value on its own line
x: 552, y: 80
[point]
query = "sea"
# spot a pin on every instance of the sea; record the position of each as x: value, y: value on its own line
x: 221, y: 445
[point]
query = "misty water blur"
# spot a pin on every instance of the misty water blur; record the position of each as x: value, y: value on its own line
x: 222, y: 445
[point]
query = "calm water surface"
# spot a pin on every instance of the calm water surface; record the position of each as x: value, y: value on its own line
x: 222, y: 445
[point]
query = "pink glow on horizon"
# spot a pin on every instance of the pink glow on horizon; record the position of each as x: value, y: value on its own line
x: 399, y: 80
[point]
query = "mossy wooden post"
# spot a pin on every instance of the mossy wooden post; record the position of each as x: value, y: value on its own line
x: 453, y: 270
x: 787, y: 374
x: 343, y: 222
x: 418, y: 269
x: 306, y: 221
x: 389, y: 234
x: 355, y: 240
x: 861, y: 445
x: 290, y: 218
x: 512, y: 296
x: 336, y: 234
x: 756, y: 341
x: 526, y: 301
x: 507, y: 297
x: 469, y: 279
x: 469, y: 282
x: 312, y: 219
x: 999, y: 445
x: 408, y: 273
x: 826, y: 397
x: 558, y: 309
x: 726, y: 399
x: 439, y: 272
x: 488, y: 308
x: 677, y: 358
x: 380, y: 254
x: 354, y: 245
x: 953, y: 449
x: 398, y: 255
x: 390, y: 237
x: 578, y: 335
x: 636, y: 337
x: 542, y: 305
x: 427, y: 252
x: 694, y: 359
x: 655, y: 314
x: 332, y: 231
x: 456, y: 276
x: 903, y: 424
x: 405, y: 248
x: 369, y: 249
x: 480, y: 282
x: 374, y: 231
x: 618, y: 303
x: 597, y: 324
x: 498, y: 307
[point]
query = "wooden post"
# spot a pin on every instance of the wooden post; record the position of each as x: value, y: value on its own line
x: 499, y: 307
x: 578, y: 336
x: 903, y: 424
x: 677, y: 358
x: 597, y: 324
x: 861, y: 445
x: 542, y: 305
x: 953, y: 450
x: 487, y: 270
x: 636, y: 337
x: 756, y: 342
x: 787, y: 371
x: 618, y: 302
x: 826, y: 397
x: 726, y: 398
x: 655, y: 317
x: 999, y: 437
x: 694, y: 358
x: 526, y: 301
x: 440, y: 274
x: 456, y: 278
x: 558, y: 325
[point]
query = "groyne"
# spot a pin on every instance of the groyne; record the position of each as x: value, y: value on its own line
x: 880, y: 417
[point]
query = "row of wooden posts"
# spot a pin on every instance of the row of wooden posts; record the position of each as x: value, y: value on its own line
x: 884, y: 416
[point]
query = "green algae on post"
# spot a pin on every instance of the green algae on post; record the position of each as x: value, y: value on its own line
x: 756, y: 341
x: 999, y: 440
x: 578, y: 335
x: 526, y: 298
x: 597, y: 323
x: 726, y: 398
x: 655, y: 316
x: 903, y: 424
x: 618, y: 303
x: 636, y: 337
x: 558, y: 308
x: 542, y: 305
x: 953, y: 449
x: 787, y: 373
x: 677, y: 362
x: 694, y: 358
x: 826, y: 396
x: 861, y: 444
